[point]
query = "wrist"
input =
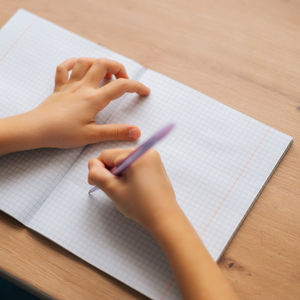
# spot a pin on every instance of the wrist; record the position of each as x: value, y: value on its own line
x: 176, y: 236
x: 20, y: 132
x: 165, y: 222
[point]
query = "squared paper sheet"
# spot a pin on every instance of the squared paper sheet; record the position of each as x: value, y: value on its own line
x: 30, y: 50
x: 217, y: 159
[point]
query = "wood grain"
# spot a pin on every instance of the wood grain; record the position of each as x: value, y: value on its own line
x: 246, y: 54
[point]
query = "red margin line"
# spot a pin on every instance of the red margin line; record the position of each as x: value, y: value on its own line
x: 242, y: 171
x: 13, y: 45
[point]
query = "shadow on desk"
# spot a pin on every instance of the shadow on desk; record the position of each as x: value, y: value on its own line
x: 11, y: 289
x: 42, y: 242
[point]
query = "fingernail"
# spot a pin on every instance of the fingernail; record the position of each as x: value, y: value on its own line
x: 146, y: 91
x: 133, y: 133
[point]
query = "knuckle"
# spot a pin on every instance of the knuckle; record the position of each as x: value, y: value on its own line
x: 115, y: 132
x: 89, y: 94
x: 111, y: 186
x: 92, y: 174
x: 121, y: 66
x: 90, y: 178
x: 118, y: 159
x: 105, y: 153
x: 153, y: 154
x: 81, y: 60
x: 100, y: 61
x: 122, y: 82
x: 60, y: 68
x: 91, y: 136
x: 90, y: 163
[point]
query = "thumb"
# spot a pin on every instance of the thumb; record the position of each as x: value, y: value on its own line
x: 113, y: 132
x: 100, y: 176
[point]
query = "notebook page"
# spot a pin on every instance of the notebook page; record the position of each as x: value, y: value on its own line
x: 96, y: 232
x: 217, y: 159
x: 30, y: 50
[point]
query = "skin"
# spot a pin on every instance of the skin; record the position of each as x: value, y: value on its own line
x: 66, y: 118
x: 145, y: 194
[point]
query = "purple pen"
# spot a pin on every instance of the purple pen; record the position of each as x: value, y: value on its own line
x: 138, y: 152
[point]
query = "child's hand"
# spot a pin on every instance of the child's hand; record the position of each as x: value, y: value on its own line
x: 143, y: 192
x: 66, y: 118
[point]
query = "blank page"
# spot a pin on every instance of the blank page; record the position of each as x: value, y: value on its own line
x: 30, y: 50
x: 217, y: 159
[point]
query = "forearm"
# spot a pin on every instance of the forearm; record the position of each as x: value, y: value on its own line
x: 198, y: 276
x: 19, y: 133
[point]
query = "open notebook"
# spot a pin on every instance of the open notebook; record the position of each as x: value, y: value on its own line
x: 217, y: 159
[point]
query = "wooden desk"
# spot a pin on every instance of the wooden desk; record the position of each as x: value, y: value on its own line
x: 246, y: 54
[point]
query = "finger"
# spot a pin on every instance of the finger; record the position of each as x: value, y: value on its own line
x: 119, y: 87
x: 99, y: 175
x: 112, y: 157
x: 61, y: 76
x: 101, y: 67
x: 82, y: 65
x: 112, y: 132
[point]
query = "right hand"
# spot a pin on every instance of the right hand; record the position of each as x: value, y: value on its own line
x: 143, y: 192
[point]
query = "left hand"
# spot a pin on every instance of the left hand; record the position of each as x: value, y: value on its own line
x: 66, y: 118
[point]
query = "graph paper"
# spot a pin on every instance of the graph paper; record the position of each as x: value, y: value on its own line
x: 218, y: 161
